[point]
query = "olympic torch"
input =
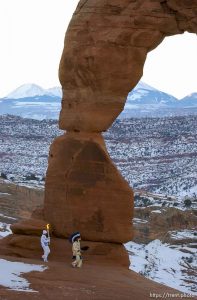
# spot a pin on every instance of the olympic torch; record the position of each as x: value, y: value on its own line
x: 48, y: 225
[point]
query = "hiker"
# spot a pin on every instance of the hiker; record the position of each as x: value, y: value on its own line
x: 76, y: 248
x: 45, y: 240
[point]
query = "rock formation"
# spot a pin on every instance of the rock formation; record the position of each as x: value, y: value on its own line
x: 19, y: 201
x: 156, y: 225
x: 105, y: 49
x: 85, y: 192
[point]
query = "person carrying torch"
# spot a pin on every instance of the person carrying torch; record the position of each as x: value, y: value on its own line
x: 45, y: 241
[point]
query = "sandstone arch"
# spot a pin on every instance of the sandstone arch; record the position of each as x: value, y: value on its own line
x: 105, y: 49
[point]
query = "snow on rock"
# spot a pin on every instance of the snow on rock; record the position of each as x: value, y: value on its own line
x: 138, y: 221
x: 183, y: 234
x: 11, y: 275
x: 5, y: 229
x: 163, y: 264
x: 4, y: 194
x: 7, y: 217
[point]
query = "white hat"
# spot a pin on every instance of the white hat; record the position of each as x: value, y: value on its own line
x: 75, y: 235
x: 44, y: 232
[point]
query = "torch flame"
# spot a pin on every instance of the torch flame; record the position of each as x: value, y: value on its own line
x: 48, y: 226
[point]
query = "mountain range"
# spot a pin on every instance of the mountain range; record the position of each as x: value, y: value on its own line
x: 146, y: 101
x: 33, y: 90
x: 32, y: 101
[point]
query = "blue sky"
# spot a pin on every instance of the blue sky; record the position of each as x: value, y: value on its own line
x: 32, y: 34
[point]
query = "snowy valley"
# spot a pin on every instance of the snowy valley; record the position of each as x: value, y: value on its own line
x: 157, y: 156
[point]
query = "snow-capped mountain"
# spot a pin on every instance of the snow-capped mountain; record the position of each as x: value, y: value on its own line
x: 145, y: 100
x: 32, y: 90
x: 32, y: 101
x: 55, y: 91
x: 143, y: 95
x: 37, y: 107
x: 189, y: 101
x: 144, y: 86
x: 26, y: 90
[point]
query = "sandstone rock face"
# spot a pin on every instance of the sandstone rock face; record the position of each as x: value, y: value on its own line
x: 105, y: 49
x: 85, y: 192
x: 19, y: 201
x: 158, y: 225
x: 29, y: 227
x: 61, y: 250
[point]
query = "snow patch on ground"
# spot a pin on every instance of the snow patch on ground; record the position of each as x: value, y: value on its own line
x: 138, y: 221
x: 11, y: 275
x: 161, y: 263
x: 4, y: 194
x: 7, y: 217
x: 5, y: 229
x: 192, y: 191
x: 183, y: 234
x: 156, y: 211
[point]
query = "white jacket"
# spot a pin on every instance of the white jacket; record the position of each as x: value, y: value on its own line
x: 44, y: 240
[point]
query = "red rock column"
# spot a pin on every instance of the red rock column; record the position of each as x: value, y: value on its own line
x: 85, y: 192
x: 104, y: 52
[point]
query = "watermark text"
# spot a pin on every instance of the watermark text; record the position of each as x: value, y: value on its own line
x: 166, y: 295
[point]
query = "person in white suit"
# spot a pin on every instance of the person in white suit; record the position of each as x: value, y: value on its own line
x: 45, y: 241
